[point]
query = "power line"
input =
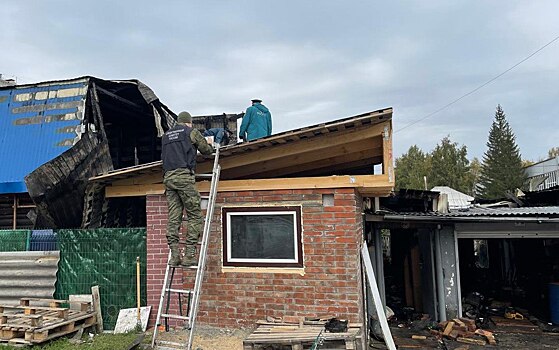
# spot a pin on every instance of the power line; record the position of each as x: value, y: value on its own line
x: 479, y: 87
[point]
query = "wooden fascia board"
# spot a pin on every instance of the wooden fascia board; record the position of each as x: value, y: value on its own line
x: 363, y: 183
x: 387, y: 157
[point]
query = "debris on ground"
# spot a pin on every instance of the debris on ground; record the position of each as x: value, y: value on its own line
x: 463, y: 330
x: 304, y: 332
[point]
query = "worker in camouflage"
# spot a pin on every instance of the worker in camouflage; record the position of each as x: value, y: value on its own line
x: 179, y: 147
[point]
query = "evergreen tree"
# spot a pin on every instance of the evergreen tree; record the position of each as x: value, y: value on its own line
x: 501, y: 170
x: 450, y: 166
x: 411, y: 167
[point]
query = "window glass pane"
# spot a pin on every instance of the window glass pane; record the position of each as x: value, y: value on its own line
x: 262, y: 236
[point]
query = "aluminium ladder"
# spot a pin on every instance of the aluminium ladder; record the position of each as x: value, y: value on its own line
x: 193, y: 294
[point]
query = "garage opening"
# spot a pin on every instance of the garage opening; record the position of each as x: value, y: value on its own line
x: 510, y: 276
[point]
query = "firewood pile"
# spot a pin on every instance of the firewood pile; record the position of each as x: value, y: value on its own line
x: 464, y: 330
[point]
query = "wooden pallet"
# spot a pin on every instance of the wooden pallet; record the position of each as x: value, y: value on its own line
x: 29, y: 325
x: 299, y: 337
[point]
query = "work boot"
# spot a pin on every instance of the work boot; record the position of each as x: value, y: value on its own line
x: 189, y: 256
x: 175, y: 259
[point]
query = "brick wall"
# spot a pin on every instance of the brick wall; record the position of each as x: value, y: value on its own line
x: 331, y: 283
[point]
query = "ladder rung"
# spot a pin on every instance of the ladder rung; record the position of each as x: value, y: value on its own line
x: 205, y: 197
x: 181, y: 291
x: 204, y: 175
x: 192, y: 267
x: 178, y: 317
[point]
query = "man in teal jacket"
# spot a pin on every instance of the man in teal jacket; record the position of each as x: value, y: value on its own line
x: 257, y: 122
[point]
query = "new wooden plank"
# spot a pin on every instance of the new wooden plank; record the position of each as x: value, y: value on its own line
x: 364, y: 183
x: 33, y: 308
x: 388, y: 161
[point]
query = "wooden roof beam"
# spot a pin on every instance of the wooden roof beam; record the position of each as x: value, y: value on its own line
x: 365, y: 183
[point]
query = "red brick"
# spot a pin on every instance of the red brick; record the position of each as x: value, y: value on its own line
x: 234, y: 299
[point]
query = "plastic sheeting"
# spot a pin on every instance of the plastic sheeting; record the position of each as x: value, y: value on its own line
x: 103, y: 257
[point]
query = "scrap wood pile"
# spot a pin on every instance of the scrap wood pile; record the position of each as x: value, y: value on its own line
x: 29, y: 324
x: 298, y: 332
x: 463, y: 330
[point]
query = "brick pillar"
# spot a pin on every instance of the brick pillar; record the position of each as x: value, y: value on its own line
x: 157, y: 253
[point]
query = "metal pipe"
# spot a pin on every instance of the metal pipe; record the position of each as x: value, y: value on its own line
x: 138, y: 288
x: 458, y: 284
x: 440, y: 277
x: 433, y: 273
x: 15, y: 212
x: 380, y: 265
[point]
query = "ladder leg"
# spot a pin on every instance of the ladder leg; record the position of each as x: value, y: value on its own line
x: 161, y: 299
x: 169, y: 286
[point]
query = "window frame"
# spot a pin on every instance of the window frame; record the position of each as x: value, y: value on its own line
x: 226, y: 214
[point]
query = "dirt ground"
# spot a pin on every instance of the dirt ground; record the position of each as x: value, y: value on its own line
x: 213, y: 338
x: 208, y: 338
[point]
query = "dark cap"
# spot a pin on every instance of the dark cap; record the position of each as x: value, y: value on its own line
x: 184, y: 117
x: 256, y: 100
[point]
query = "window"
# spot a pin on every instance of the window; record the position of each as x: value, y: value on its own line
x: 262, y: 237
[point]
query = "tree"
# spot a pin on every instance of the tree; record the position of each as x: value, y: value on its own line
x: 501, y: 170
x: 553, y: 152
x: 450, y: 166
x: 411, y: 167
x: 473, y: 176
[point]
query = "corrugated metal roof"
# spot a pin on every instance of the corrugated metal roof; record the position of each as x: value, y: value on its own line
x: 523, y: 211
x: 456, y: 199
x: 37, y: 123
x: 486, y: 212
x: 27, y: 275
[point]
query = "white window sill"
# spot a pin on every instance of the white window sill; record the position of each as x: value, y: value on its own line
x: 289, y: 270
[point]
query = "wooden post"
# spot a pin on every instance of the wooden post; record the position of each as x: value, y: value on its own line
x: 138, y: 287
x: 388, y: 168
x: 97, y: 307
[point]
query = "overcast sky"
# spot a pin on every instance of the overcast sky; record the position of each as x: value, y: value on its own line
x: 310, y: 61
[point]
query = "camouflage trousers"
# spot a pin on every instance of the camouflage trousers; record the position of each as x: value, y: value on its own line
x: 182, y: 195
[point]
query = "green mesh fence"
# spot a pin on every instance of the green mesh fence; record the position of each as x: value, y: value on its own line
x: 14, y: 240
x: 103, y: 257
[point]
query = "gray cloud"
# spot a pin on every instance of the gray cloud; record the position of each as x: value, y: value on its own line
x: 310, y: 61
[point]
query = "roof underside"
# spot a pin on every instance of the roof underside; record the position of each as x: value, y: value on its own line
x: 349, y: 146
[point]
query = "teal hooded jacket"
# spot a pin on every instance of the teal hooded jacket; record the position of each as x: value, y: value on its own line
x: 257, y: 122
